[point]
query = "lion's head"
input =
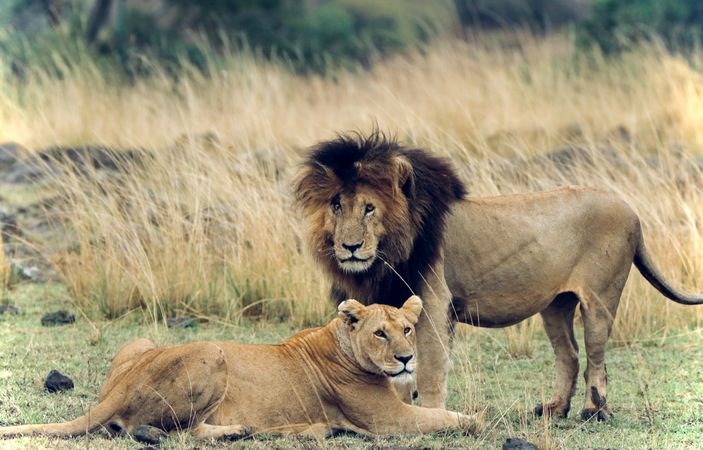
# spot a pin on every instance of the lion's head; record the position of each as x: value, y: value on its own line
x: 373, y: 204
x: 382, y: 338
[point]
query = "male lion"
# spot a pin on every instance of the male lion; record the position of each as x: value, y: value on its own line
x: 336, y: 377
x: 386, y: 221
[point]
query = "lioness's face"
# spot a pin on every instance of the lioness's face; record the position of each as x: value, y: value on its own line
x: 357, y: 227
x: 383, y: 337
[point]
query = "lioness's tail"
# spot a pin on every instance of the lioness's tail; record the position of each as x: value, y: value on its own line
x: 96, y: 417
x: 650, y: 272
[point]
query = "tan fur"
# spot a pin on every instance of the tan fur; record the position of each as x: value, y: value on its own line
x: 334, y: 377
x: 503, y: 260
x: 510, y: 257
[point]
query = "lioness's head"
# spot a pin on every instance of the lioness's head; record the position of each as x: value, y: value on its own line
x: 382, y: 338
x: 368, y: 199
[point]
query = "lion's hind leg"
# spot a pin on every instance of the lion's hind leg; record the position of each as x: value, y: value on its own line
x: 558, y: 321
x: 598, y: 308
x: 597, y: 323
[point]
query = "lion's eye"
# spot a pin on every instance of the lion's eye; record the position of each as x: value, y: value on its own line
x: 369, y: 209
x: 379, y: 333
x: 336, y: 204
x: 407, y: 330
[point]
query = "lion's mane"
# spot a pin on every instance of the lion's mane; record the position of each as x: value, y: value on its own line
x: 417, y: 190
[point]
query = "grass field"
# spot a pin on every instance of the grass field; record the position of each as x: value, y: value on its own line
x: 655, y: 386
x: 202, y: 223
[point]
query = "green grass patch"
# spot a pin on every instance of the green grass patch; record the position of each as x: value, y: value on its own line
x: 655, y: 390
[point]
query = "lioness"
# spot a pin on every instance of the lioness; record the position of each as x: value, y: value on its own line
x: 386, y: 221
x: 339, y: 376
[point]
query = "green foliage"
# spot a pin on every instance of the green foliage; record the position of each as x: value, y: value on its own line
x: 535, y: 14
x: 615, y: 24
x: 310, y: 36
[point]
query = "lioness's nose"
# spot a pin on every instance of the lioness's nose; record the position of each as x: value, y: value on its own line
x: 353, y: 247
x: 404, y: 359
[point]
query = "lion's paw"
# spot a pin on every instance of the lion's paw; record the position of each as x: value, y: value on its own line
x: 552, y: 409
x: 147, y: 434
x: 600, y: 414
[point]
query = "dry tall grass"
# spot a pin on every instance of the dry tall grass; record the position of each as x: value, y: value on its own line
x: 206, y: 225
x: 5, y: 271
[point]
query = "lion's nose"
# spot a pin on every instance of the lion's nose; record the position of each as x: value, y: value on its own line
x: 353, y: 247
x: 404, y: 359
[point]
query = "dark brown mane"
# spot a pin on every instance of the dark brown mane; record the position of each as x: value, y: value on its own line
x: 418, y: 190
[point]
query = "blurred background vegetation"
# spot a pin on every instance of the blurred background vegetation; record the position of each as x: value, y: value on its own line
x: 130, y: 36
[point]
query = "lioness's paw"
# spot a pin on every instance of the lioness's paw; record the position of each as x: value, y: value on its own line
x: 552, y: 409
x: 240, y: 432
x: 472, y: 424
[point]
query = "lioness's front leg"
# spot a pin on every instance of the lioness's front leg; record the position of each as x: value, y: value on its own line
x: 418, y: 419
x: 433, y: 340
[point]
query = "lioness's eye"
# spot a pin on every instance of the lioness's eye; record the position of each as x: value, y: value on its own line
x: 407, y: 330
x: 369, y: 209
x: 379, y: 333
x: 336, y: 204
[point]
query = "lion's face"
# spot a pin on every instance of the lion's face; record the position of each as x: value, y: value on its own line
x: 383, y: 338
x: 356, y: 227
x: 368, y: 200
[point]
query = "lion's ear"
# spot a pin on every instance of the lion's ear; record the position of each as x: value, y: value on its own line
x: 310, y: 183
x: 351, y: 311
x: 412, y: 308
x: 405, y: 179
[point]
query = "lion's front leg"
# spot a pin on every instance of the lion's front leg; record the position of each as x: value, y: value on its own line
x: 433, y: 342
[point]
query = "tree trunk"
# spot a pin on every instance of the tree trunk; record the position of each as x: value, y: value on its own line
x: 98, y: 17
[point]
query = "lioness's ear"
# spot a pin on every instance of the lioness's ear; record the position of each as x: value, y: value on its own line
x: 350, y: 311
x: 412, y: 308
x: 404, y: 175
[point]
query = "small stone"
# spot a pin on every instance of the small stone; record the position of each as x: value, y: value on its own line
x: 10, y: 309
x: 519, y: 444
x: 148, y: 434
x: 8, y: 225
x: 61, y: 317
x: 31, y: 273
x: 57, y: 382
x: 181, y: 322
x: 10, y: 152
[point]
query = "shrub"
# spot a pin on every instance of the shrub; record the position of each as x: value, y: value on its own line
x: 615, y: 24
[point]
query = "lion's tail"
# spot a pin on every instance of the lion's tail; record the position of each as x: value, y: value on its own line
x: 97, y: 416
x: 649, y: 271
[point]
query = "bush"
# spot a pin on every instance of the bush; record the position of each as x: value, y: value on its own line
x: 311, y: 36
x: 615, y: 24
x: 536, y: 14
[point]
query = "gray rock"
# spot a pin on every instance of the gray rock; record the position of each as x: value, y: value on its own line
x: 8, y: 225
x: 95, y: 156
x: 519, y: 444
x: 32, y: 273
x: 57, y: 382
x: 9, y: 309
x: 61, y: 317
x: 27, y: 171
x: 181, y: 322
x: 11, y: 152
x: 54, y: 160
